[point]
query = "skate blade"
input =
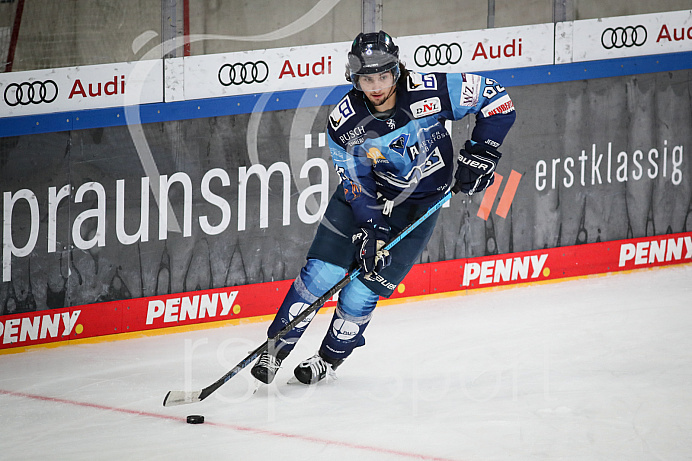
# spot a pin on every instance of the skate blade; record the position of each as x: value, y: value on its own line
x: 294, y: 380
x: 258, y: 385
x: 327, y: 379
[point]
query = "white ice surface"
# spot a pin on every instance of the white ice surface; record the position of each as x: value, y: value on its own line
x: 594, y: 369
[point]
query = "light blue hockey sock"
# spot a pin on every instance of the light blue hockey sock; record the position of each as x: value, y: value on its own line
x: 352, y: 316
x: 315, y: 279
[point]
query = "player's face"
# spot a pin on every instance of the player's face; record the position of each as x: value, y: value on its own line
x: 377, y: 87
x: 376, y: 83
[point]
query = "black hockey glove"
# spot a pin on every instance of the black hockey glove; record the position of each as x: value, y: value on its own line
x: 369, y: 253
x: 475, y: 168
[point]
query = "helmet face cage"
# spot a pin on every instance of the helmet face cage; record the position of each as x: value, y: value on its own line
x: 373, y: 53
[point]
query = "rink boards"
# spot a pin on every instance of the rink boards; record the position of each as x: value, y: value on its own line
x: 161, y: 194
x: 214, y: 307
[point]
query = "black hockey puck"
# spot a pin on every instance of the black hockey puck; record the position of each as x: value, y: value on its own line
x: 195, y: 419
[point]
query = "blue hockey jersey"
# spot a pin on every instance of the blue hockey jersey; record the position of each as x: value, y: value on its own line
x: 409, y: 156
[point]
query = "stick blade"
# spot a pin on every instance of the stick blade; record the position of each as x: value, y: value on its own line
x: 174, y: 398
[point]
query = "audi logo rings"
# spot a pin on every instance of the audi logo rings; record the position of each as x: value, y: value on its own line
x: 243, y: 72
x: 620, y: 37
x: 442, y: 54
x: 26, y: 93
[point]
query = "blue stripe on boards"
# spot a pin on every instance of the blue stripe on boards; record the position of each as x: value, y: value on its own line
x: 293, y: 99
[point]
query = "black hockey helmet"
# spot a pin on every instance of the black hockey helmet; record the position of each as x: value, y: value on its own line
x: 372, y: 53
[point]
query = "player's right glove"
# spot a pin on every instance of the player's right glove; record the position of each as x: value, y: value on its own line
x: 369, y: 241
x: 475, y: 168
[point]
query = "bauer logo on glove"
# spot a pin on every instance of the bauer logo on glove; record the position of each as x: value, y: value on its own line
x: 475, y: 168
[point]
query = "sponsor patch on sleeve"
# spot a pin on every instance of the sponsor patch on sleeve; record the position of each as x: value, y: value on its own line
x: 503, y: 105
x: 470, y: 90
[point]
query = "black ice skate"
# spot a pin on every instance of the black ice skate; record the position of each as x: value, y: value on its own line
x: 316, y: 368
x: 266, y: 367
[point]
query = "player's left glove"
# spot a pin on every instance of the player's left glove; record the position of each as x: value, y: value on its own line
x: 369, y: 241
x: 475, y: 168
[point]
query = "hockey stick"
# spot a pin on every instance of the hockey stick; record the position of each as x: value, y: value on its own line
x: 183, y: 397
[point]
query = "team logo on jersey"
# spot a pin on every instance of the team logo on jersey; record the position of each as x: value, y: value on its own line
x: 342, y: 112
x: 418, y: 82
x: 399, y: 144
x: 426, y: 107
x: 422, y: 169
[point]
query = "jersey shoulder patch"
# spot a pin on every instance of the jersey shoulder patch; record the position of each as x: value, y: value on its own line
x: 342, y: 112
x: 421, y: 82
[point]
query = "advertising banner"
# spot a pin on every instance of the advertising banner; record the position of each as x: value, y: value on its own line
x: 259, y: 71
x: 324, y: 65
x: 479, y: 50
x: 79, y: 88
x: 219, y: 305
x: 623, y: 36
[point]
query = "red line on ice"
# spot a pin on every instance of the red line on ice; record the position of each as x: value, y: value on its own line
x: 224, y: 425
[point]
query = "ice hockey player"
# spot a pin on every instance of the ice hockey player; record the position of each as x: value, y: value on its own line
x: 395, y: 158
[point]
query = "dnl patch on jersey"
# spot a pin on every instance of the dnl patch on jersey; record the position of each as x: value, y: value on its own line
x: 426, y: 107
x: 342, y: 112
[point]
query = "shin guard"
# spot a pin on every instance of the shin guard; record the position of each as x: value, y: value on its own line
x: 345, y: 334
x: 352, y: 315
x: 314, y: 280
